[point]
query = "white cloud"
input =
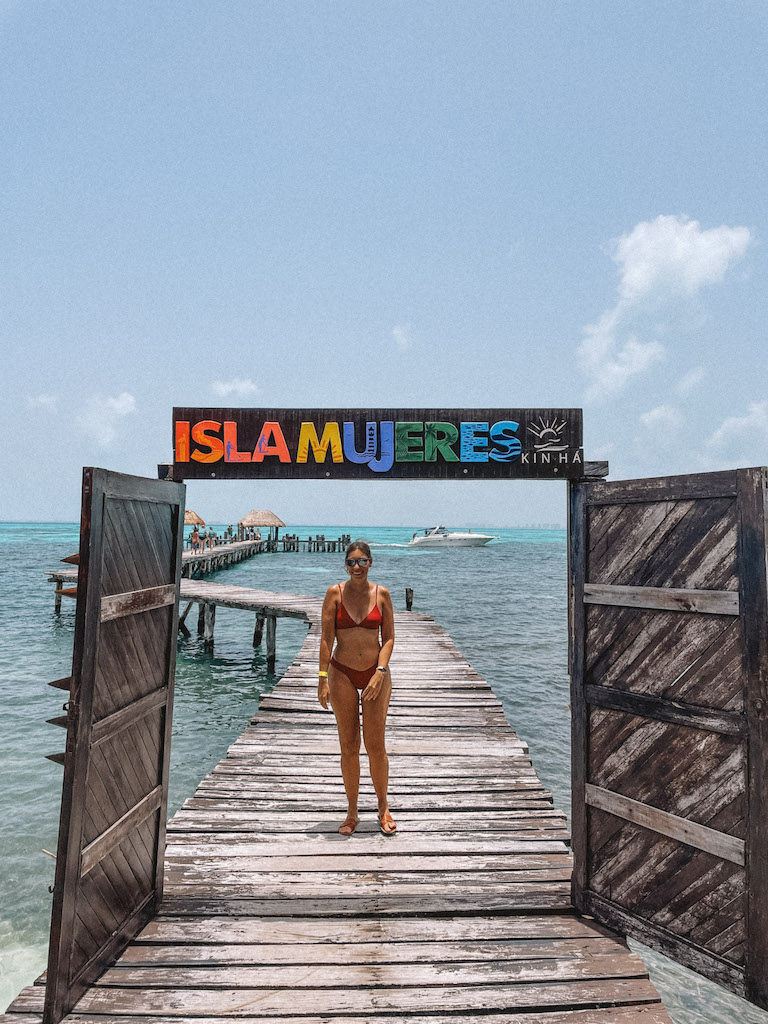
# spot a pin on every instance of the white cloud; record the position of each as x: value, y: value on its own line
x: 237, y: 386
x: 402, y: 336
x: 661, y: 261
x: 100, y: 415
x: 673, y: 255
x: 664, y: 419
x: 691, y: 380
x: 43, y: 402
x: 743, y: 439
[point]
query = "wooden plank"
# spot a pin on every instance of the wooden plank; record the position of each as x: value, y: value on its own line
x: 664, y: 488
x: 96, y: 850
x: 115, y: 606
x: 710, y: 602
x: 258, y: 1003
x: 128, y: 715
x: 644, y: 1014
x: 685, y: 831
x: 675, y: 712
x: 381, y: 975
x: 360, y: 930
x: 255, y: 954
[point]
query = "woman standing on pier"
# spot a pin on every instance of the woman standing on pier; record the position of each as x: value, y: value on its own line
x: 358, y: 674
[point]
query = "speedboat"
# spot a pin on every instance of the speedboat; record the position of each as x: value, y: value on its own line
x: 439, y: 537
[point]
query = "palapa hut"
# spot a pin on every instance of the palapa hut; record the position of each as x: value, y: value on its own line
x: 259, y: 518
x: 191, y: 518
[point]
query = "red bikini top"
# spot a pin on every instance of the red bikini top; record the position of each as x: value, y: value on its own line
x: 345, y: 621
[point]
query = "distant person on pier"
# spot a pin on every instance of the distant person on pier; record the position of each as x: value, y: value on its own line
x: 358, y: 675
x: 258, y: 533
x: 194, y: 540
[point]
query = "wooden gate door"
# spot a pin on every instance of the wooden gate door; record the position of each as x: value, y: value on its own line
x: 109, y: 865
x: 669, y: 669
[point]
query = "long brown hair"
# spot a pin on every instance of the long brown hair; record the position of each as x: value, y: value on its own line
x: 358, y: 545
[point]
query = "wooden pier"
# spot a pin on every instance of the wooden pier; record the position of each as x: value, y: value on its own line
x: 270, y: 915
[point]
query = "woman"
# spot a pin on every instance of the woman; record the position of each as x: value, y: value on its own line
x: 358, y: 673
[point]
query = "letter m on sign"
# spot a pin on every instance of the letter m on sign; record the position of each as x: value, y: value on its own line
x: 109, y: 865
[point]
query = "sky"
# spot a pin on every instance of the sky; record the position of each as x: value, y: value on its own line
x: 353, y: 204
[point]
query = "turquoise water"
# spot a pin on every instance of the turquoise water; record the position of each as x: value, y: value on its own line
x: 504, y: 605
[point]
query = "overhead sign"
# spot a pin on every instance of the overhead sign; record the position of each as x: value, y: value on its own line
x: 395, y: 444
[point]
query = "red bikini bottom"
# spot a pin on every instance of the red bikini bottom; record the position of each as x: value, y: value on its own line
x: 358, y: 679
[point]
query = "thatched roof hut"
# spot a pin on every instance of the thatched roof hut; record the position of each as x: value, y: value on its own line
x: 191, y: 518
x: 260, y: 517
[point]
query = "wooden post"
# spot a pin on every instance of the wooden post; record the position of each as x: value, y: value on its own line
x: 201, y: 619
x: 408, y: 598
x: 577, y: 539
x: 258, y: 631
x: 271, y: 638
x: 753, y: 613
x: 57, y: 600
x: 210, y: 621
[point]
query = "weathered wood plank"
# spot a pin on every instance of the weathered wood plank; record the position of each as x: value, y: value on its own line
x: 671, y: 825
x: 261, y: 1002
x: 712, y: 602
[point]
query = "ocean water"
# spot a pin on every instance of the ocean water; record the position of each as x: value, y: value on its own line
x: 504, y: 605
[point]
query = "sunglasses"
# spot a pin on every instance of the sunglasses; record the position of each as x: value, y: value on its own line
x: 362, y: 562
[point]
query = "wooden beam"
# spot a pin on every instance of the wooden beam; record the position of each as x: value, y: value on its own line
x: 684, y: 831
x: 96, y: 850
x: 108, y: 727
x: 115, y: 606
x: 670, y: 599
x: 729, y: 723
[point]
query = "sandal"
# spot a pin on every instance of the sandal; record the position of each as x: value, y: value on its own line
x: 349, y: 825
x: 387, y: 824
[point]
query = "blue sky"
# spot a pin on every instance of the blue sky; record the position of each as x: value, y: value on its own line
x: 380, y: 204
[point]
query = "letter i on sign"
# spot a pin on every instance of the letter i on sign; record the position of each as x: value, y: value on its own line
x: 182, y: 441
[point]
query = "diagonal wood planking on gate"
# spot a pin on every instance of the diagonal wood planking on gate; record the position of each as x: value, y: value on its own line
x: 270, y: 915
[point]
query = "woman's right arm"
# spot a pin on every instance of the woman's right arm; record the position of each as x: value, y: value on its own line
x: 326, y: 645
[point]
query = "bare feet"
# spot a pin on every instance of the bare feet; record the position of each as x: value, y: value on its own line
x: 387, y: 823
x: 349, y: 825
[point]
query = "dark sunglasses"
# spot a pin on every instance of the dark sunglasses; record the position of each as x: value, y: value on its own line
x: 362, y: 562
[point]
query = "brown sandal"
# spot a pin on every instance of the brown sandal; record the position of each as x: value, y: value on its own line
x: 348, y: 826
x: 387, y: 824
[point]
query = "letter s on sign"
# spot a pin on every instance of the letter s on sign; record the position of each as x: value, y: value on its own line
x: 507, y: 445
x: 202, y: 436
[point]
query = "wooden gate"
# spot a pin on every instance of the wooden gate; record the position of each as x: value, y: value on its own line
x: 669, y: 669
x: 109, y: 865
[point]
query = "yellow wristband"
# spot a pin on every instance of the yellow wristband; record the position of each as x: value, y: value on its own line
x: 323, y: 674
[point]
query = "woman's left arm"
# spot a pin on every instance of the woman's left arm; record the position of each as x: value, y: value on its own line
x: 371, y: 691
x: 387, y: 627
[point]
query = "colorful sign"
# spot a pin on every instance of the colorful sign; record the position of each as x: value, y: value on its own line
x: 394, y: 444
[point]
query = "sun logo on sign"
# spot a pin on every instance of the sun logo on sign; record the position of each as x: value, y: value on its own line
x: 549, y: 434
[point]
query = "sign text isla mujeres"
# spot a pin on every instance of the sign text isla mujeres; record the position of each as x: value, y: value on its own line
x: 395, y: 444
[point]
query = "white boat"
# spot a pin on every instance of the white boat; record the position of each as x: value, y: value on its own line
x: 439, y: 537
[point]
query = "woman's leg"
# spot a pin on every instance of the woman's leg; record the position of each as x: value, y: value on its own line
x: 346, y: 708
x: 374, y: 724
